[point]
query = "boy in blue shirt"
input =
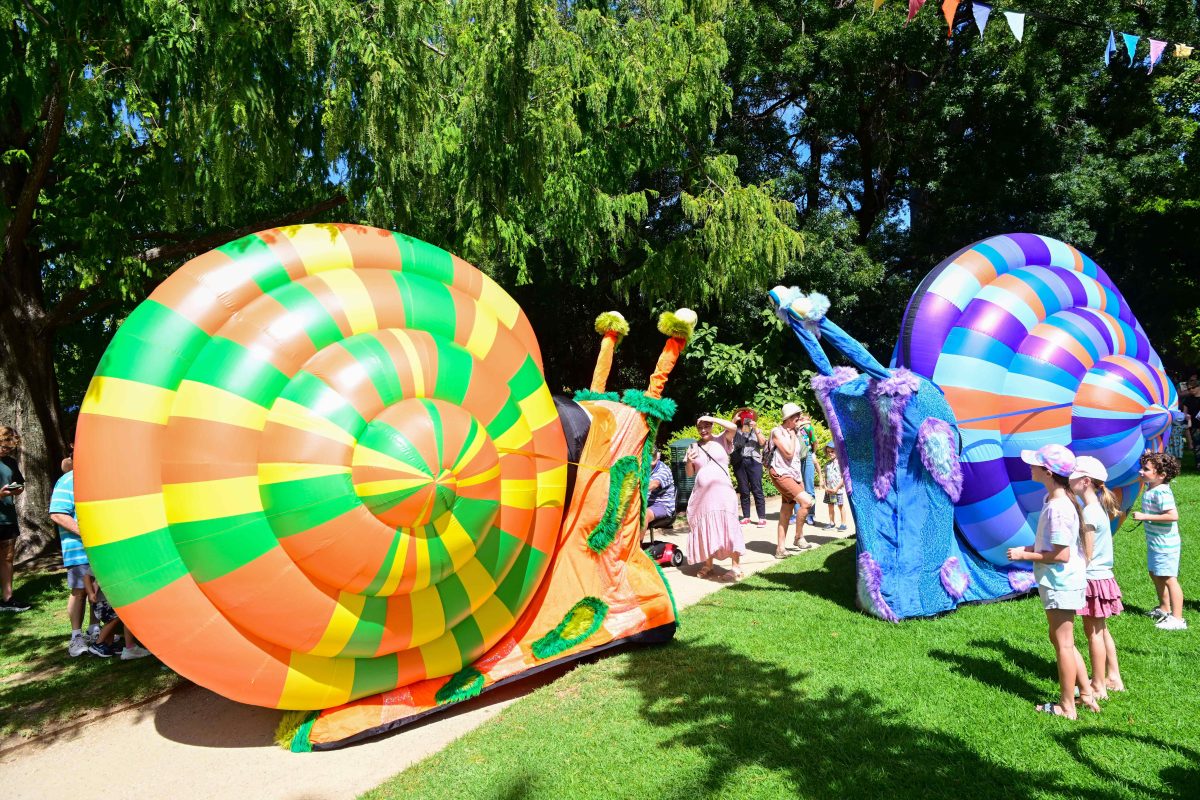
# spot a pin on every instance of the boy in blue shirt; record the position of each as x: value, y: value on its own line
x: 79, y: 571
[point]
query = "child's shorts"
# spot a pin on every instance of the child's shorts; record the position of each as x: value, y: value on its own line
x: 1163, y: 563
x: 1061, y: 599
x: 833, y: 498
x: 77, y: 574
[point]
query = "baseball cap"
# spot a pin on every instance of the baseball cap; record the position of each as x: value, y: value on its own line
x: 1089, y: 467
x: 1053, y: 457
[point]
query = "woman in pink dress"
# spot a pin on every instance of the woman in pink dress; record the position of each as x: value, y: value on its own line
x: 714, y: 530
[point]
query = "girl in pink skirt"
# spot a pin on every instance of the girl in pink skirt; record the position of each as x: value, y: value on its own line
x: 1103, y: 596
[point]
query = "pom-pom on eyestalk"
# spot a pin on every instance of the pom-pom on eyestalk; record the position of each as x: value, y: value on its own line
x: 678, y: 327
x: 614, y: 327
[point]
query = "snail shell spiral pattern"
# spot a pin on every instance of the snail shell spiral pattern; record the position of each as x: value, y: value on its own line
x: 1033, y: 343
x: 305, y: 466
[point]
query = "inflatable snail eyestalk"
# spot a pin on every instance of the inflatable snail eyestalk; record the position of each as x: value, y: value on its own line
x: 346, y: 471
x: 614, y: 328
x: 1013, y: 343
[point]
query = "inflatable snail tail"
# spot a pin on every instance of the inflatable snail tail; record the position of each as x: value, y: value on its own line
x: 896, y: 441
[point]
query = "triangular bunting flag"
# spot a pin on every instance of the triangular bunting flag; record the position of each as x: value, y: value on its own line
x: 949, y: 9
x: 913, y: 7
x: 1130, y: 45
x: 1182, y: 51
x: 981, y: 16
x: 1016, y: 21
x: 1156, y: 51
x: 1112, y: 48
x: 878, y: 3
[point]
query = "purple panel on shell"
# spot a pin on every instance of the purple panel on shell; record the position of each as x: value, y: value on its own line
x: 984, y: 316
x: 935, y: 318
x: 1034, y: 249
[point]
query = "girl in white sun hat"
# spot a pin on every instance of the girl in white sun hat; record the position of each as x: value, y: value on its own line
x: 1059, y: 567
x: 1102, y: 599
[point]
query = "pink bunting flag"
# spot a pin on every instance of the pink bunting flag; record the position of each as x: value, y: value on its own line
x: 913, y: 7
x: 949, y: 9
x: 1156, y: 51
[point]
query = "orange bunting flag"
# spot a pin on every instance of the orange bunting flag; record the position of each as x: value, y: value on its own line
x: 913, y: 7
x: 878, y: 3
x: 1183, y: 51
x: 949, y: 9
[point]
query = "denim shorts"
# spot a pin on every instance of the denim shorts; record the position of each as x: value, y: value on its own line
x: 1162, y: 563
x: 76, y: 575
x: 1061, y: 599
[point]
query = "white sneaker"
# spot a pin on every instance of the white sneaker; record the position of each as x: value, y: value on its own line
x: 78, y: 646
x: 1172, y: 624
x: 93, y: 634
x: 134, y: 651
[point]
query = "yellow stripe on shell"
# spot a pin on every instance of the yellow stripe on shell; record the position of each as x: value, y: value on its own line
x: 493, y: 616
x: 283, y: 471
x: 442, y: 656
x: 340, y: 627
x: 201, y: 500
x: 414, y: 361
x: 202, y: 401
x: 395, y: 571
x: 316, y: 682
x: 293, y: 415
x: 519, y: 493
x: 457, y: 541
x: 483, y: 333
x: 515, y: 438
x: 494, y: 297
x: 477, y: 581
x: 421, y: 576
x: 538, y: 409
x: 320, y: 247
x: 429, y: 618
x: 482, y: 477
x: 366, y: 457
x: 106, y: 521
x: 356, y: 303
x: 552, y: 486
x: 117, y: 397
x: 374, y: 488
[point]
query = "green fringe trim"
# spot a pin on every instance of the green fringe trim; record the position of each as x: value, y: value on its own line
x: 584, y: 619
x: 620, y: 493
x: 612, y: 321
x: 669, y: 324
x: 588, y: 394
x: 662, y: 408
x: 463, y: 685
x: 294, y: 729
x: 670, y: 594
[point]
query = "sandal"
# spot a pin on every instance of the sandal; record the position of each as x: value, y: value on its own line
x: 733, y: 575
x: 704, y: 571
x: 803, y: 545
x: 781, y: 554
x: 1052, y: 708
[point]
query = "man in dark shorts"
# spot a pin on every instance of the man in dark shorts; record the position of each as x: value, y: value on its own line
x: 12, y: 484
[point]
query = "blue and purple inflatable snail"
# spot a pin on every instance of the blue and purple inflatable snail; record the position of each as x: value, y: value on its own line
x: 1010, y: 344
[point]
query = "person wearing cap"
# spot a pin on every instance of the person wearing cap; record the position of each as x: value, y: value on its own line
x: 1103, y: 597
x: 713, y: 528
x: 747, y: 458
x: 789, y: 450
x: 834, y: 497
x: 1059, y: 568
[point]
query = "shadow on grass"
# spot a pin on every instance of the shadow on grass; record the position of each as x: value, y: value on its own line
x: 831, y: 578
x: 1006, y: 671
x: 1179, y: 766
x: 742, y: 713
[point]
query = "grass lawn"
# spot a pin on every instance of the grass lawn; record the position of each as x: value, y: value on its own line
x: 41, y: 685
x: 779, y: 688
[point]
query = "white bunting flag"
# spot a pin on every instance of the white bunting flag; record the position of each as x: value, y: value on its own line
x: 1016, y: 21
x: 981, y: 16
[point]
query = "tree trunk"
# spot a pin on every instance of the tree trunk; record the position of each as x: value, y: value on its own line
x: 29, y: 403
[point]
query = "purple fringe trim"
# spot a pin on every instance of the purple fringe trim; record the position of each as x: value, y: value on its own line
x: 889, y: 397
x: 936, y: 442
x: 823, y: 386
x: 955, y: 579
x: 1021, y: 580
x: 870, y: 593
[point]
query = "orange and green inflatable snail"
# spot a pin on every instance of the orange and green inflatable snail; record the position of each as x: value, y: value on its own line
x: 320, y: 469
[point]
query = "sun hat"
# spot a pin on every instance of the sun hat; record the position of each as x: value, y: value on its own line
x: 1089, y: 467
x: 1053, y: 457
x: 745, y: 413
x: 791, y: 410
